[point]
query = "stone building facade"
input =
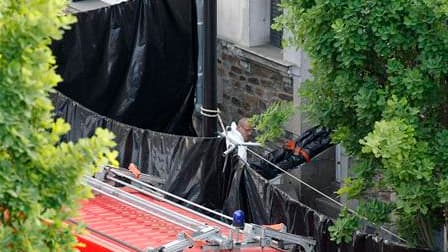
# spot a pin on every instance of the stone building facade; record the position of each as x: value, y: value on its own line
x: 249, y: 82
x: 253, y: 73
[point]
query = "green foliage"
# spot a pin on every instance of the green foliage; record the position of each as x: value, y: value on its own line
x: 353, y: 187
x: 270, y: 124
x: 376, y: 211
x: 380, y: 81
x: 41, y: 179
x: 342, y: 230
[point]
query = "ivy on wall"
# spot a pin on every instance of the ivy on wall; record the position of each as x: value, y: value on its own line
x: 380, y: 73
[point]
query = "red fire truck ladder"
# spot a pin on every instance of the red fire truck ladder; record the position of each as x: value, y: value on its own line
x: 138, y: 216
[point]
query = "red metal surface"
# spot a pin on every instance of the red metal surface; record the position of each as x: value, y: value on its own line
x: 92, y: 243
x: 132, y: 226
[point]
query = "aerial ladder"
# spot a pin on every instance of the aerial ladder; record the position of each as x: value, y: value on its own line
x: 129, y: 212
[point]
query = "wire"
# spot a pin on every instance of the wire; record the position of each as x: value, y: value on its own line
x: 325, y: 196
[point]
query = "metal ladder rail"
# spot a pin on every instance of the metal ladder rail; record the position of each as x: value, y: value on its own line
x: 145, y: 206
x: 306, y: 243
x: 257, y: 232
x: 150, y: 191
x: 159, y: 197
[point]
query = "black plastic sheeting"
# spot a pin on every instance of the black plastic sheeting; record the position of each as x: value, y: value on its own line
x: 194, y: 169
x: 134, y: 62
x: 295, y: 152
x: 265, y: 203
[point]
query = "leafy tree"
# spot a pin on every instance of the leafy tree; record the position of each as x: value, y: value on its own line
x: 380, y: 80
x: 269, y: 124
x: 40, y: 177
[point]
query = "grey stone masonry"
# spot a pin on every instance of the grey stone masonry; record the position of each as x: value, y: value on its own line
x: 249, y: 82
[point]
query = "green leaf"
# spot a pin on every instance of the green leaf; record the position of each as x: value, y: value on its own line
x: 40, y: 177
x: 380, y: 71
x: 270, y: 124
x: 343, y: 228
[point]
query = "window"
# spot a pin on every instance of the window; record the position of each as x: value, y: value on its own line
x: 275, y: 36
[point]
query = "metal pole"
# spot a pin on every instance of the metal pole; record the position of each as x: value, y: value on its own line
x: 209, y: 124
x: 200, y: 82
x: 445, y: 236
x: 445, y: 231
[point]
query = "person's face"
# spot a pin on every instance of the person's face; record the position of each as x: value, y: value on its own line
x: 246, y: 131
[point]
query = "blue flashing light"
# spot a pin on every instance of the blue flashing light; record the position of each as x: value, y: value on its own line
x: 238, y: 218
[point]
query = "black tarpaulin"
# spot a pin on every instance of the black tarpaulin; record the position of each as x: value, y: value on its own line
x: 134, y: 62
x: 265, y: 203
x: 194, y: 169
x: 191, y: 166
x: 295, y: 152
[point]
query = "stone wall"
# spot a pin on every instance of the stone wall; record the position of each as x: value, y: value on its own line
x: 248, y: 82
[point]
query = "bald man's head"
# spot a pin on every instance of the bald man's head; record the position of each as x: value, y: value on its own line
x: 245, y: 128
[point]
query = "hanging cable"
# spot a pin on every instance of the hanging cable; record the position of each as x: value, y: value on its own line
x: 326, y: 196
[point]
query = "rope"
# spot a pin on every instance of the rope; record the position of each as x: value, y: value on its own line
x: 325, y: 196
x: 214, y: 113
x: 217, y: 113
x: 210, y: 112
